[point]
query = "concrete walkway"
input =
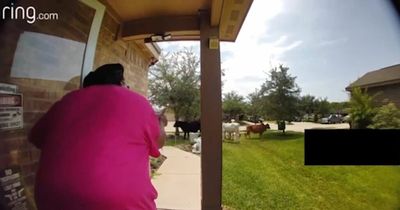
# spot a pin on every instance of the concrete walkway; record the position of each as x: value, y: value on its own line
x: 178, y: 180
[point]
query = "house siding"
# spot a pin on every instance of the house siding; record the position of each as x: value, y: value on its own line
x: 385, y: 94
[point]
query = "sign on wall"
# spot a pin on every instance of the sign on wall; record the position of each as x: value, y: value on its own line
x: 12, y: 192
x: 8, y: 88
x: 11, y: 111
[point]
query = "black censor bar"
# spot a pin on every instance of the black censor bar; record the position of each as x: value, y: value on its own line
x: 352, y: 147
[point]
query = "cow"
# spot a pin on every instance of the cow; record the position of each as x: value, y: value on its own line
x: 188, y: 127
x: 196, y: 148
x: 257, y: 128
x: 231, y: 128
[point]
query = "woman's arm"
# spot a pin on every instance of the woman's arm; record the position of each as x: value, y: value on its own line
x: 163, y: 136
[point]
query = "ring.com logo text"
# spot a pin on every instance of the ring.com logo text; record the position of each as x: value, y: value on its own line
x: 29, y: 14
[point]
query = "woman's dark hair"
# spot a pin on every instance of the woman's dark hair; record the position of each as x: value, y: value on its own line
x: 108, y: 74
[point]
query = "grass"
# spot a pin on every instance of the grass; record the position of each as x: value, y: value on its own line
x: 270, y: 174
x: 175, y: 141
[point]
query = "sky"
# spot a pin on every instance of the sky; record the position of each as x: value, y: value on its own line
x: 327, y: 44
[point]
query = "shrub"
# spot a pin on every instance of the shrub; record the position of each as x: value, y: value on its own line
x: 387, y: 117
x: 362, y: 109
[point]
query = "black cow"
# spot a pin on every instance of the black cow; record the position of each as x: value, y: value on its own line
x: 188, y: 127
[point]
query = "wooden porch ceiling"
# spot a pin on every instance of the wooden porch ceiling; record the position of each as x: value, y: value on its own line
x: 142, y: 18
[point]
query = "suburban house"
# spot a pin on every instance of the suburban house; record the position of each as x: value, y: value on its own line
x: 384, y: 83
x: 42, y: 59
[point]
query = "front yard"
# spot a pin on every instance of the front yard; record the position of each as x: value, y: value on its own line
x: 270, y: 174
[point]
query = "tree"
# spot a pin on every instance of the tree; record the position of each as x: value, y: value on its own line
x: 233, y: 105
x: 387, y: 117
x: 281, y: 94
x: 254, y: 108
x: 339, y: 107
x: 175, y: 82
x: 307, y: 104
x: 362, y: 109
x: 323, y: 108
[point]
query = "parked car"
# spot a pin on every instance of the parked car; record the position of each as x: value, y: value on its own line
x: 297, y: 119
x: 332, y: 119
x: 308, y: 118
x: 255, y: 119
x: 346, y: 118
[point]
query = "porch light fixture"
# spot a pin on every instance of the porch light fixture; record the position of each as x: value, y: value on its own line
x: 167, y: 37
x: 158, y: 37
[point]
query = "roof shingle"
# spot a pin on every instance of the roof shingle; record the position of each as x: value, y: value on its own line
x: 384, y: 76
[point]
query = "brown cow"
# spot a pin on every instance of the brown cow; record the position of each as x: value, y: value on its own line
x: 258, y: 128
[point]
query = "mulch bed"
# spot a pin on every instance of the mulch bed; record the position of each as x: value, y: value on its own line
x: 184, y: 147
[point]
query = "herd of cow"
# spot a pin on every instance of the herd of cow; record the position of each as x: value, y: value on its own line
x: 229, y: 130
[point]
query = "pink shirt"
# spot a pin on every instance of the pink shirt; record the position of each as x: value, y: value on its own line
x: 95, y: 145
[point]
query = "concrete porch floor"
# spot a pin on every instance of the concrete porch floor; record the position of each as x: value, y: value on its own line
x: 178, y: 180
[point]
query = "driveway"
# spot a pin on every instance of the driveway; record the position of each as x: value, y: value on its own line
x: 296, y: 126
x: 170, y: 127
x: 301, y: 126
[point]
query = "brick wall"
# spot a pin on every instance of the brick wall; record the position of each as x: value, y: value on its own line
x: 112, y: 50
x: 74, y: 24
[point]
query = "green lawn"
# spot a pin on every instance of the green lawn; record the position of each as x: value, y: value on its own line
x: 171, y: 141
x: 270, y: 174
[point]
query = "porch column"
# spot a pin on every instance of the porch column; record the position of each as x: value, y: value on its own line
x: 211, y: 116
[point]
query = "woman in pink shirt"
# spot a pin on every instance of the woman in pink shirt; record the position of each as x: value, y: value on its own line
x: 95, y: 145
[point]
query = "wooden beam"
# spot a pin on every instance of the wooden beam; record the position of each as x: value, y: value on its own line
x: 233, y: 15
x: 160, y: 25
x: 111, y: 11
x: 211, y: 116
x: 216, y: 12
x: 175, y: 37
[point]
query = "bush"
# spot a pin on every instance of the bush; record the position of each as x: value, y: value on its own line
x: 362, y: 110
x: 387, y: 117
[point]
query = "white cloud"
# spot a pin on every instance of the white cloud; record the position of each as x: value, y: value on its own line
x: 249, y: 56
x: 326, y: 43
x: 179, y: 45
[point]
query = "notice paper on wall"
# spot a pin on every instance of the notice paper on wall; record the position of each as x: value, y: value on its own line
x: 8, y: 88
x: 11, y: 111
x: 12, y: 192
